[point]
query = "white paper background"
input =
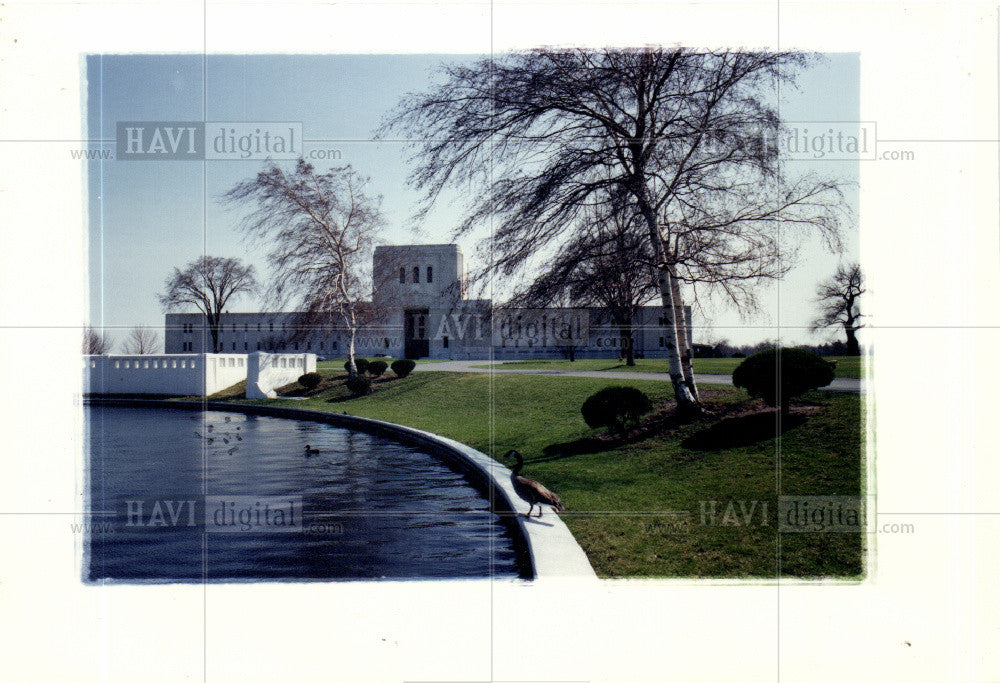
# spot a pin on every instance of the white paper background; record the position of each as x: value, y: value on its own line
x: 929, y: 247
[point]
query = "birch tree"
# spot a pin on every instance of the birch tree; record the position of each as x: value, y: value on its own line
x: 321, y: 229
x: 688, y: 135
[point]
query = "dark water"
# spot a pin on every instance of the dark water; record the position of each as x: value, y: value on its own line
x: 369, y: 508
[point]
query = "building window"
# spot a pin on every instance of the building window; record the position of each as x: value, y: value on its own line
x: 270, y: 326
x: 246, y: 346
x: 246, y: 327
x: 234, y: 346
x: 444, y: 341
x: 295, y: 346
x: 258, y: 346
x: 430, y: 273
x: 309, y: 346
x: 321, y: 345
x: 416, y: 273
x: 234, y: 327
x: 386, y: 340
x: 661, y: 341
x: 402, y: 276
x: 258, y: 326
x: 334, y: 345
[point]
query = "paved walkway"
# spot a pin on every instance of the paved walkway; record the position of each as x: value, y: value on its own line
x: 852, y: 386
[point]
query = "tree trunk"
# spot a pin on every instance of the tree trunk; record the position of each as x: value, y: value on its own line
x: 213, y: 328
x: 853, y: 348
x: 628, y: 350
x: 352, y: 368
x: 684, y: 333
x: 687, y: 402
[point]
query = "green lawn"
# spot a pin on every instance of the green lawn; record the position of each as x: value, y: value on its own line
x: 847, y: 366
x: 618, y: 496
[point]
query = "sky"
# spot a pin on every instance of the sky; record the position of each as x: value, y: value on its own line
x: 146, y: 217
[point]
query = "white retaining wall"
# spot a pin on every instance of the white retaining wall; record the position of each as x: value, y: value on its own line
x: 265, y: 371
x: 194, y: 374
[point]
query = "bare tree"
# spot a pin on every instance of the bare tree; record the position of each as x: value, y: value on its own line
x: 209, y: 283
x: 684, y: 133
x: 141, y: 340
x: 321, y: 227
x: 96, y: 343
x: 606, y: 264
x: 838, y: 304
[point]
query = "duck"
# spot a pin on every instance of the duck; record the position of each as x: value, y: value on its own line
x: 311, y: 451
x: 530, y: 490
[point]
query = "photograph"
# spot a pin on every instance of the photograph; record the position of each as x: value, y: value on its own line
x: 625, y: 280
x: 500, y: 342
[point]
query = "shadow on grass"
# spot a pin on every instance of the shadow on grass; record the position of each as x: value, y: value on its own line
x: 744, y: 430
x: 653, y: 426
x: 588, y: 444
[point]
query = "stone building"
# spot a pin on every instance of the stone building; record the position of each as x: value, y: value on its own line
x: 420, y: 309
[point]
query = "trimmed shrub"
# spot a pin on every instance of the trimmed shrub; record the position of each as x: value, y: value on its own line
x: 377, y: 367
x: 615, y: 408
x: 310, y: 380
x: 403, y: 367
x: 358, y: 385
x: 360, y: 363
x: 801, y: 371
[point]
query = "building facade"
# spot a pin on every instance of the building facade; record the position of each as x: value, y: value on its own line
x: 420, y: 309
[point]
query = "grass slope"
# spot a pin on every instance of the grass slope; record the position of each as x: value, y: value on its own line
x: 847, y: 366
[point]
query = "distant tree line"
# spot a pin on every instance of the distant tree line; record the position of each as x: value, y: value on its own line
x: 723, y: 349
